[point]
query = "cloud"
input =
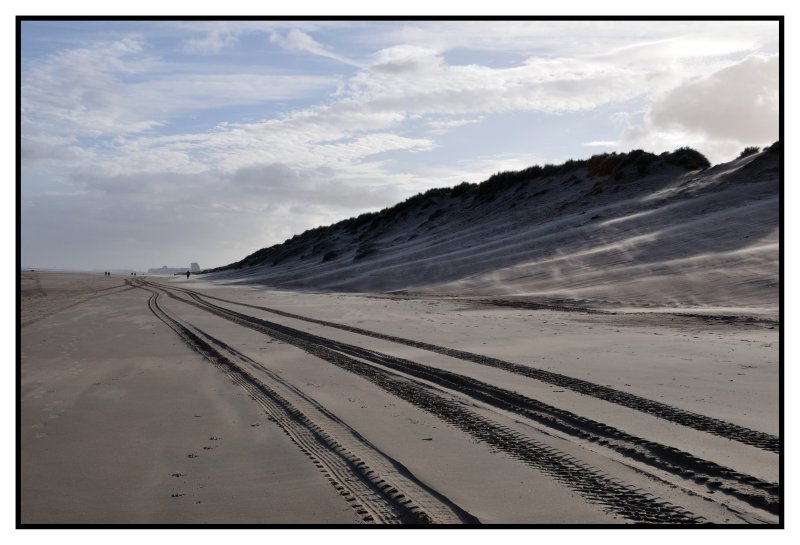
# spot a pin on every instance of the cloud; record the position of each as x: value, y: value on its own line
x: 683, y: 47
x: 720, y: 113
x: 579, y: 38
x: 152, y: 219
x: 121, y: 91
x: 79, y: 89
x: 297, y: 40
x: 474, y: 169
x: 602, y: 144
x: 405, y: 59
x: 416, y: 80
x: 216, y: 36
x: 214, y: 41
x: 441, y: 126
x: 739, y: 102
x: 47, y: 150
x: 183, y: 156
x: 309, y: 138
x: 283, y: 186
x: 90, y: 230
x: 117, y: 89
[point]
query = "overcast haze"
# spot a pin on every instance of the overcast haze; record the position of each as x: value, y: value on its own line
x: 162, y: 143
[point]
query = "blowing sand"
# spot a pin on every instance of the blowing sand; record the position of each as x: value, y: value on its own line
x: 163, y: 400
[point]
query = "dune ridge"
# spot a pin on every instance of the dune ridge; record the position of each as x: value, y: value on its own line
x: 616, y: 230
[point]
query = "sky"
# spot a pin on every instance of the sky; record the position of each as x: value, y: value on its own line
x: 157, y: 143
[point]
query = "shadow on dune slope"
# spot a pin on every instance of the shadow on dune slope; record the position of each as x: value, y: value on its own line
x: 632, y: 228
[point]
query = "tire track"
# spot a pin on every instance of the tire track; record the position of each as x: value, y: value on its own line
x: 756, y: 492
x: 689, y: 419
x: 376, y: 496
x: 385, y: 474
x: 753, y: 491
x: 38, y: 290
x: 98, y: 294
x: 618, y: 497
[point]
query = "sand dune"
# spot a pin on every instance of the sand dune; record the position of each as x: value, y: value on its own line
x: 671, y: 238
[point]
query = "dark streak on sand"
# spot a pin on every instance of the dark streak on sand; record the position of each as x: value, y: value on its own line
x: 94, y: 295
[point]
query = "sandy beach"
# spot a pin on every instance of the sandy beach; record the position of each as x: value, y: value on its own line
x: 166, y: 400
x: 419, y: 271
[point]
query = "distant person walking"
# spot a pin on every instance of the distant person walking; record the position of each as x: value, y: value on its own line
x: 188, y: 274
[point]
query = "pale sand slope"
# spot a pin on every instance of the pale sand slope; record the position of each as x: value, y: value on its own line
x: 110, y: 395
x: 705, y: 240
x: 671, y: 238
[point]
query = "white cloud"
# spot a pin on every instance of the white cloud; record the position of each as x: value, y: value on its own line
x: 601, y: 144
x: 302, y: 140
x: 719, y: 114
x: 42, y: 150
x: 78, y: 88
x: 297, y: 40
x: 116, y: 89
x: 418, y: 80
x: 473, y: 170
x: 682, y: 47
x: 579, y: 38
x: 441, y: 126
x: 213, y: 42
x: 102, y: 123
x: 403, y: 59
x: 216, y: 36
x: 738, y: 102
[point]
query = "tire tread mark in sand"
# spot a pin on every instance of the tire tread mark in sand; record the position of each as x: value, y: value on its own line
x: 396, y: 478
x: 290, y: 420
x: 596, y: 487
x: 38, y: 290
x: 756, y: 492
x: 368, y: 495
x: 753, y: 491
x: 97, y: 295
x: 658, y: 409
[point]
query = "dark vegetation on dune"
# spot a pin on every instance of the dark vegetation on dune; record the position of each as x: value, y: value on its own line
x: 357, y: 239
x: 748, y: 151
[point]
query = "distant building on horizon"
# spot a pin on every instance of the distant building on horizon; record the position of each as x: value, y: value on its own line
x: 194, y: 267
